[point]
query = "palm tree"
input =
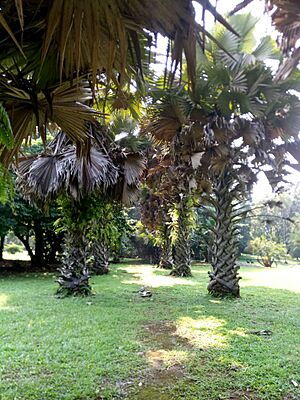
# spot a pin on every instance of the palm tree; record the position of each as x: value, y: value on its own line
x: 61, y: 172
x: 56, y: 56
x: 249, y: 101
x: 156, y: 221
x: 285, y: 16
x: 227, y: 126
x: 171, y: 174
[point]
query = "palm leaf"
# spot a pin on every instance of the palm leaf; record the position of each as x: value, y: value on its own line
x: 60, y: 107
x: 6, y: 133
x: 9, y: 31
x: 61, y: 168
x: 266, y: 49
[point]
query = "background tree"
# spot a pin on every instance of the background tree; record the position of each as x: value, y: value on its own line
x: 30, y: 225
x: 276, y: 219
x: 267, y: 251
x: 156, y: 220
x: 6, y: 223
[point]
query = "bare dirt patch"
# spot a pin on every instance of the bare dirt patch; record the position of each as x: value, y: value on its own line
x: 163, y: 364
x: 243, y: 395
x: 163, y: 334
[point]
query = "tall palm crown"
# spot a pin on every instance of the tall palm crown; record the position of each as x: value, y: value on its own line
x: 53, y: 53
x: 62, y: 169
x: 224, y: 130
x: 285, y: 16
x: 233, y: 97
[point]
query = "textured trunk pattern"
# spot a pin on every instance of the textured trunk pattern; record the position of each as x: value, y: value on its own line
x: 224, y: 278
x: 74, y: 274
x: 166, y: 253
x: 182, y: 245
x: 100, y: 257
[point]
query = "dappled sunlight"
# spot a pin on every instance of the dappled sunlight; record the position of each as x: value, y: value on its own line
x: 275, y: 278
x: 23, y: 256
x: 202, y: 333
x: 3, y: 301
x: 167, y: 358
x: 144, y: 275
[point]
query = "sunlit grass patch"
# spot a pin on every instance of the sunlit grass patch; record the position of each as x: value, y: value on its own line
x: 202, y: 333
x: 181, y: 343
x: 146, y: 275
x: 3, y: 301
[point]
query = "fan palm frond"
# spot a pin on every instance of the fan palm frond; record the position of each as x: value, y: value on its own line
x: 61, y: 168
x: 61, y: 107
x: 266, y: 49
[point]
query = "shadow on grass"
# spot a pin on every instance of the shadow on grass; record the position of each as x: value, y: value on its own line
x: 221, y: 339
x: 179, y: 344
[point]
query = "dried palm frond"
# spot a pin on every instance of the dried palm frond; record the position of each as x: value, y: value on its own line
x: 104, y: 36
x: 131, y: 167
x: 286, y: 18
x: 86, y: 175
x: 60, y: 107
x: 61, y: 168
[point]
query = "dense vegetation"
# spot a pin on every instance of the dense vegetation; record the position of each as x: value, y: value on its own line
x: 102, y: 157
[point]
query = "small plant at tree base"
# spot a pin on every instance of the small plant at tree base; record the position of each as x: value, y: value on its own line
x: 267, y: 251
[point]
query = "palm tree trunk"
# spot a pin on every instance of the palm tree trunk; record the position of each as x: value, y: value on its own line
x: 182, y: 245
x: 166, y: 256
x: 224, y: 278
x: 100, y: 254
x: 74, y: 273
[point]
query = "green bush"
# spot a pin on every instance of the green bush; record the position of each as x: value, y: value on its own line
x: 13, y: 248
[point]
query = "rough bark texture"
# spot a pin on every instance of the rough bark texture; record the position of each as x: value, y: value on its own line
x: 74, y: 274
x: 100, y: 255
x: 182, y: 246
x: 224, y: 278
x: 166, y: 253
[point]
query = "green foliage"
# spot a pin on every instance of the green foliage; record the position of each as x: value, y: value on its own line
x: 176, y: 216
x: 96, y: 217
x: 267, y: 251
x: 13, y: 248
x: 6, y: 185
x: 278, y: 220
x: 6, y: 133
x: 25, y: 222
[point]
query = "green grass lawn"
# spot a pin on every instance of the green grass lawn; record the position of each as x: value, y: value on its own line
x: 180, y: 344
